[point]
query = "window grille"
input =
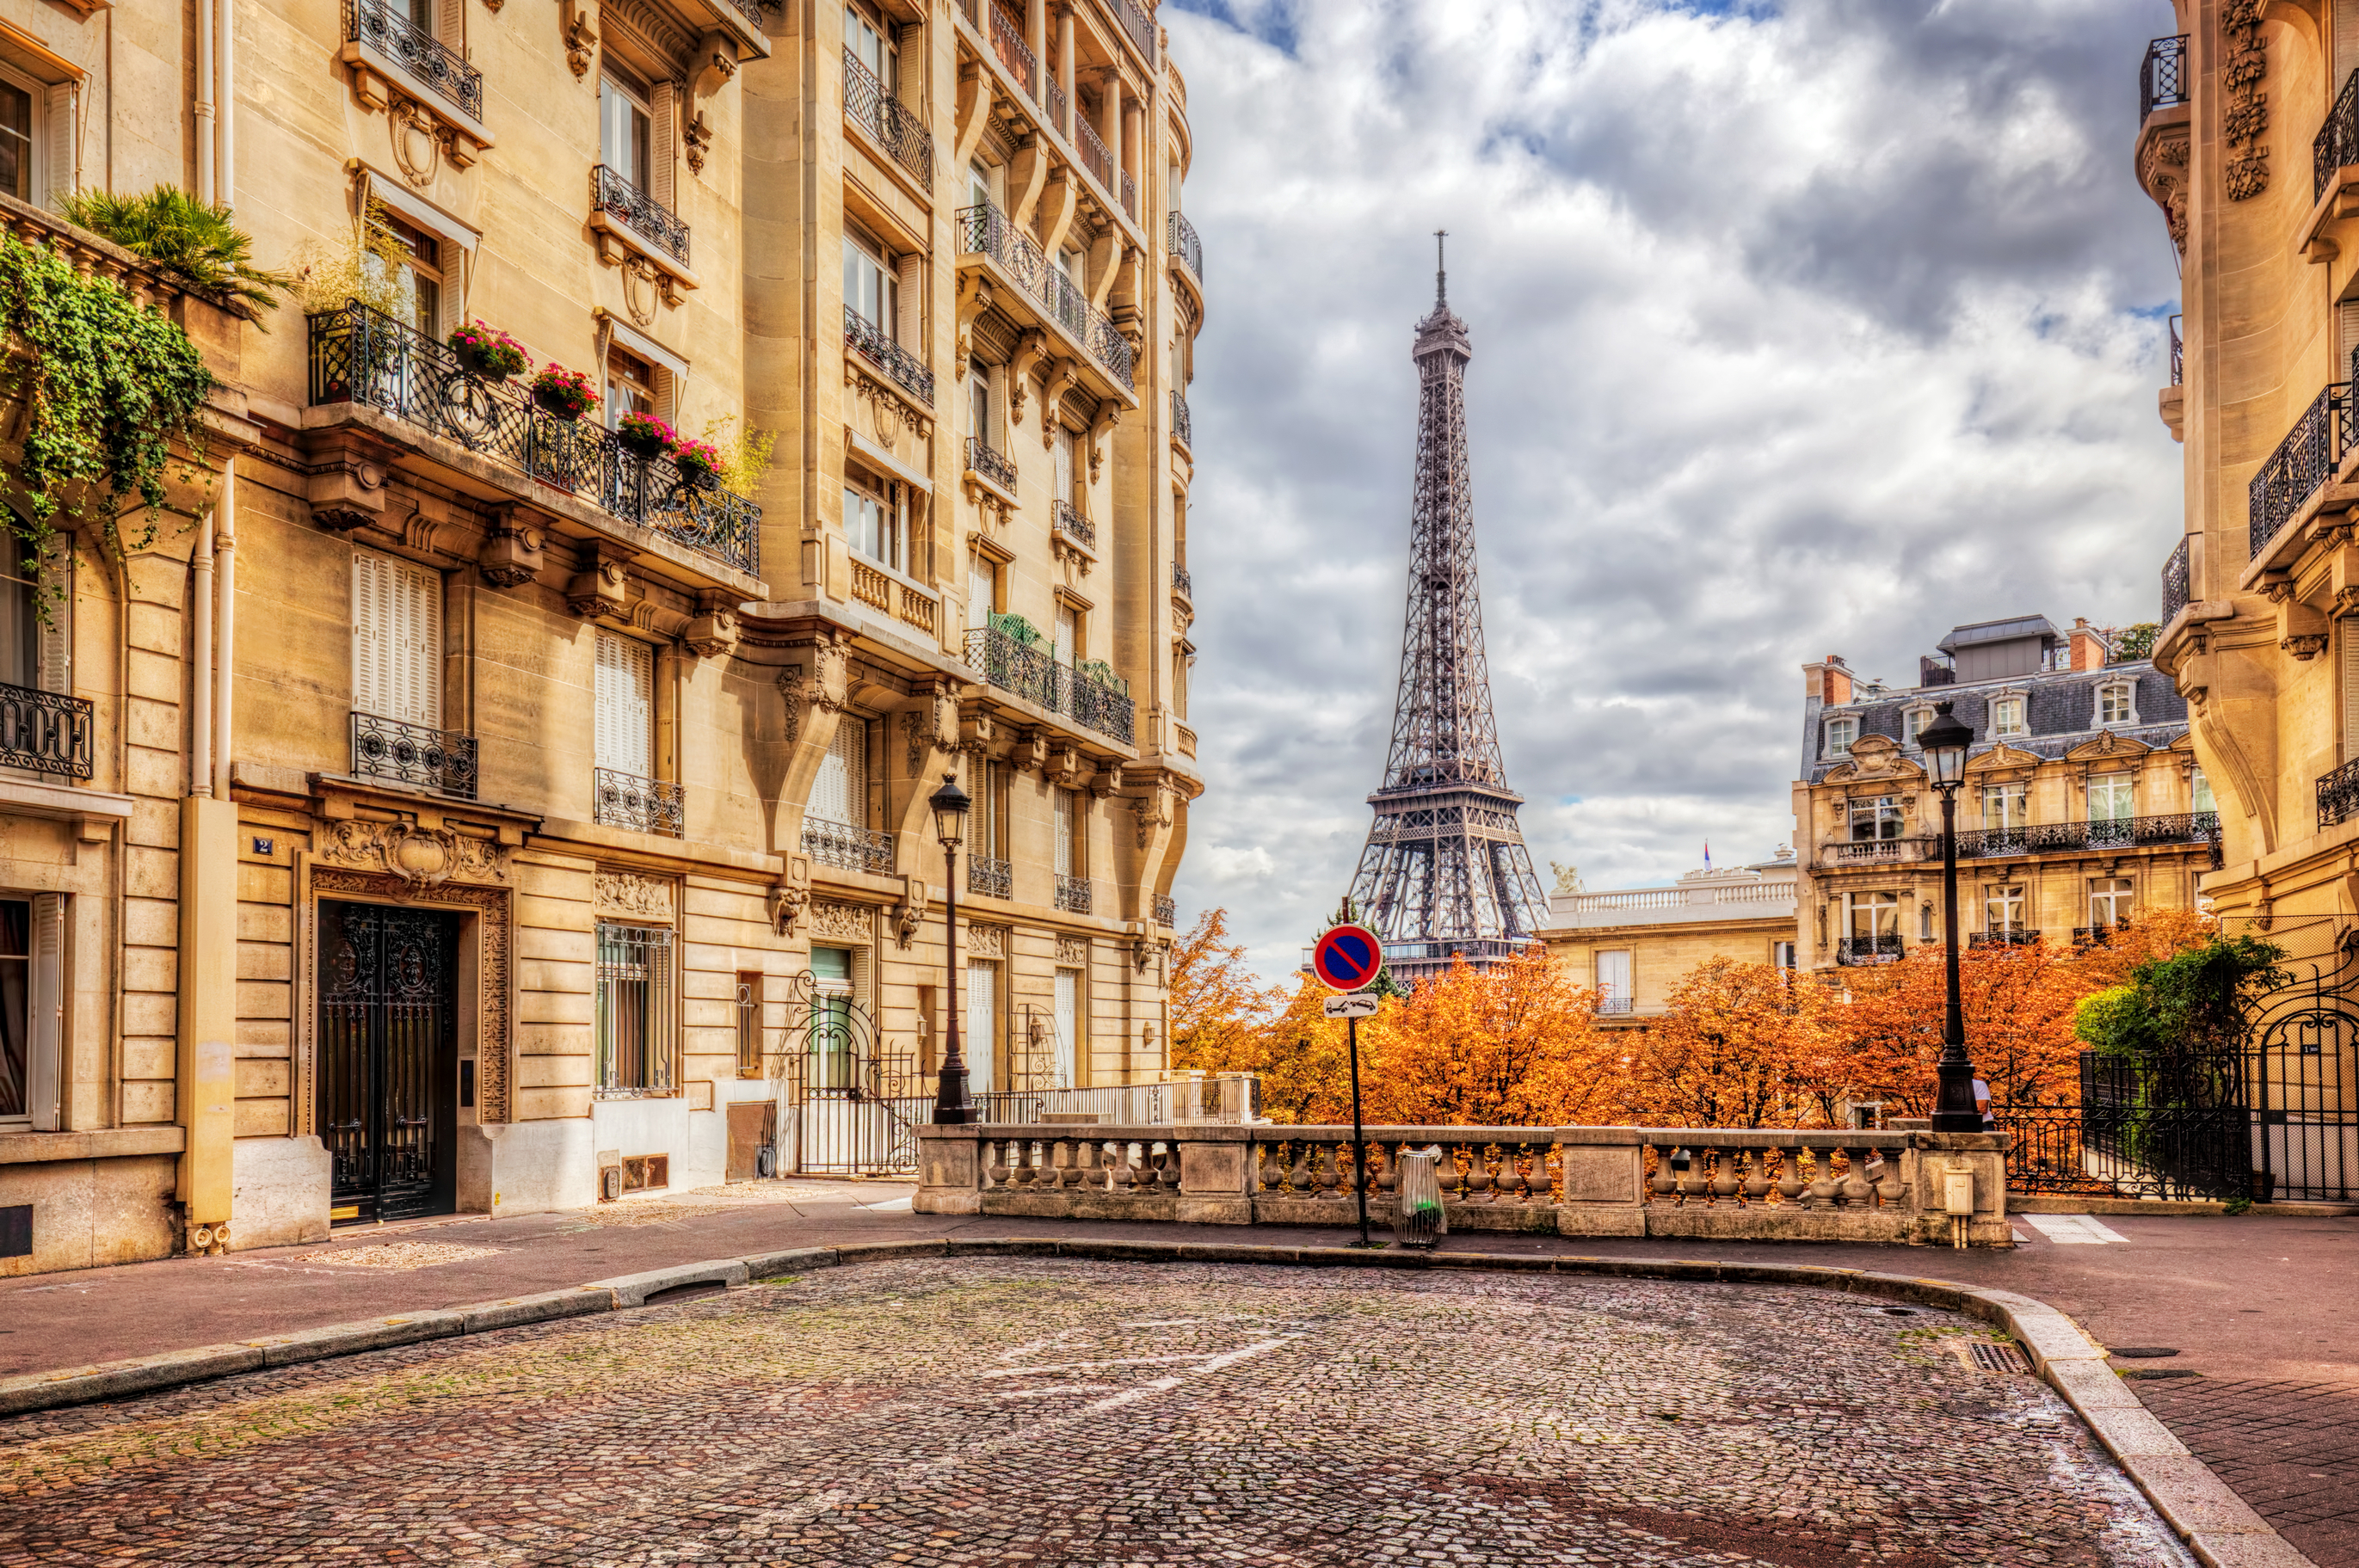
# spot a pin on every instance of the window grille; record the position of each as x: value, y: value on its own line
x: 637, y: 1027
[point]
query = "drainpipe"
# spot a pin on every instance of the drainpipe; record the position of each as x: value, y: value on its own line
x: 200, y: 661
x: 206, y: 149
x: 225, y: 624
x: 225, y: 114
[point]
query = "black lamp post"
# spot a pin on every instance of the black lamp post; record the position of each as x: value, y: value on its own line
x: 951, y: 1107
x: 1943, y: 743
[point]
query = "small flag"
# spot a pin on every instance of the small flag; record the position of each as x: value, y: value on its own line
x: 1707, y: 854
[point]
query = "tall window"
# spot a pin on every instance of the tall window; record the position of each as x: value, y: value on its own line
x: 630, y: 385
x: 635, y: 1028
x: 981, y: 1046
x: 1071, y: 820
x: 2110, y: 797
x: 2114, y: 704
x: 1873, y: 915
x: 835, y: 1056
x: 840, y: 794
x: 625, y: 722
x: 871, y: 43
x: 19, y: 619
x: 876, y: 520
x: 978, y: 405
x: 1069, y: 1025
x: 1841, y: 733
x: 1875, y: 816
x: 2109, y: 901
x: 1061, y: 447
x: 2003, y: 907
x: 397, y: 640
x: 420, y: 273
x: 978, y: 186
x: 2199, y: 792
x: 1782, y: 956
x: 990, y: 818
x: 1614, y: 980
x: 1067, y: 649
x: 2004, y: 805
x: 16, y: 990
x: 869, y: 286
x: 624, y: 124
x: 20, y: 143
x: 2006, y: 716
x: 32, y: 948
x: 982, y: 588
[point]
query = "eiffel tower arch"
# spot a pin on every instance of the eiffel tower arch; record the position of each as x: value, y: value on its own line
x: 1444, y: 874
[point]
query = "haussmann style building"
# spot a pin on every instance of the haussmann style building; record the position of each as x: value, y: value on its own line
x: 1634, y: 945
x: 452, y: 805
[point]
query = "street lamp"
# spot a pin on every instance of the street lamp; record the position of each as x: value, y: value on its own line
x: 1943, y: 743
x: 951, y: 1107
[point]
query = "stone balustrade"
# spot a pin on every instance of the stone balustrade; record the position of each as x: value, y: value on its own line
x: 1722, y: 1184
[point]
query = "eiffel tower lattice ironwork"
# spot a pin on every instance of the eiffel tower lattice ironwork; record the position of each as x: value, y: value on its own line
x: 1445, y: 873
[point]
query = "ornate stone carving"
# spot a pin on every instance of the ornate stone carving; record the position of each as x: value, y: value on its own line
x: 413, y: 857
x: 2346, y: 602
x: 2162, y: 170
x: 628, y: 892
x: 1072, y: 949
x: 1030, y: 752
x: 2305, y: 645
x: 887, y: 409
x: 577, y: 23
x: 418, y: 138
x: 1108, y: 781
x: 1153, y: 811
x: 908, y: 914
x: 1109, y: 415
x: 2247, y: 114
x: 986, y: 941
x: 1030, y: 350
x: 824, y: 684
x: 644, y: 288
x: 788, y: 902
x: 712, y: 633
x: 974, y: 300
x: 600, y: 587
x: 843, y: 922
x: 1145, y: 950
x: 698, y: 139
x: 512, y: 555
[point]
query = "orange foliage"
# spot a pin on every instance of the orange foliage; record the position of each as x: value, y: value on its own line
x: 1518, y: 1046
x: 1743, y: 1045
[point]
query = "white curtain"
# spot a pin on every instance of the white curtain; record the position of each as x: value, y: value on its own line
x: 982, y: 1043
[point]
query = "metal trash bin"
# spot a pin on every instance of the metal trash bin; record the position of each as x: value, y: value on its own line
x: 1418, y: 1217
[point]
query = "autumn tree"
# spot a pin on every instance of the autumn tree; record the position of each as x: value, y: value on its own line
x: 1219, y: 1010
x: 2018, y: 1000
x: 1740, y: 1045
x: 1514, y: 1045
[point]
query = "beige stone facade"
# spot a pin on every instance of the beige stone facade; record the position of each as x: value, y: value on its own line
x: 432, y: 711
x: 1635, y: 944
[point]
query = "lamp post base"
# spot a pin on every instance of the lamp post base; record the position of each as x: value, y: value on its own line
x: 1953, y: 1106
x: 952, y: 1106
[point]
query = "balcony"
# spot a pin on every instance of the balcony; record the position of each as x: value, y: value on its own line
x: 1092, y: 701
x: 896, y: 596
x: 1882, y: 950
x: 1871, y: 851
x: 2018, y: 937
x: 1073, y: 526
x: 439, y: 760
x: 1095, y: 157
x: 2174, y: 583
x: 2303, y: 461
x: 1181, y: 235
x: 1615, y: 1005
x: 993, y: 467
x: 896, y: 363
x: 2337, y: 793
x: 2178, y: 352
x: 639, y: 212
x: 991, y: 878
x: 850, y: 848
x: 1166, y: 910
x: 893, y: 124
x: 1073, y: 894
x: 360, y: 355
x: 46, y: 732
x: 375, y: 26
x: 2337, y: 143
x: 2189, y: 827
x: 1136, y: 25
x: 2162, y: 80
x: 1181, y: 583
x: 1007, y: 43
x: 985, y: 231
x: 1181, y: 431
x: 644, y: 805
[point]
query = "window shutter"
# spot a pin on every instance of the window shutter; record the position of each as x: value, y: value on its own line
x: 370, y: 655
x: 61, y: 131
x: 55, y: 649
x: 909, y: 329
x: 841, y: 791
x: 44, y: 1015
x: 2347, y: 629
x: 1064, y: 833
x: 626, y: 700
x: 451, y: 24
x: 663, y: 144
x: 397, y: 640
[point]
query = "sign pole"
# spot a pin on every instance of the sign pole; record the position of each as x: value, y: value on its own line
x: 1359, y: 1137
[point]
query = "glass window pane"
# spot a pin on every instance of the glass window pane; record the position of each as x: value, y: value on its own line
x: 17, y: 159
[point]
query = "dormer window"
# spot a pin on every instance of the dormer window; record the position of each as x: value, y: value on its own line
x: 2117, y: 704
x: 2006, y: 716
x: 1913, y: 722
x: 1841, y: 733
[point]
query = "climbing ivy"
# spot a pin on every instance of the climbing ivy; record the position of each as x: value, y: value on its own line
x: 108, y: 385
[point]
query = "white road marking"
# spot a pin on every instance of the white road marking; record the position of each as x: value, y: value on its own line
x: 2073, y: 1229
x: 1164, y: 1385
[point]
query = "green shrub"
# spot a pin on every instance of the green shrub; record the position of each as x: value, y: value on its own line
x: 188, y: 238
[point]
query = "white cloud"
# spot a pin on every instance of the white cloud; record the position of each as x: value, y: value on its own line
x: 1799, y: 330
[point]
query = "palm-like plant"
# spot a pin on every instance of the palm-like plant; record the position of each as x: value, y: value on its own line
x: 191, y: 239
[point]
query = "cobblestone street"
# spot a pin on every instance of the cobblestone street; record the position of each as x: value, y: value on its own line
x: 1048, y: 1411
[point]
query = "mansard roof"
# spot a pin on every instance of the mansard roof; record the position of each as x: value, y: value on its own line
x: 2060, y: 712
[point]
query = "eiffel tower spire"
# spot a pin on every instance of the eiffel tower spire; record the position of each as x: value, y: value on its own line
x: 1445, y: 872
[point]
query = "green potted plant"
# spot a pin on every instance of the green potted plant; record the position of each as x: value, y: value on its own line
x: 644, y: 434
x: 699, y: 463
x: 1017, y: 630
x: 563, y: 394
x: 488, y: 351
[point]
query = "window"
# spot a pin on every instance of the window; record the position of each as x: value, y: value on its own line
x: 2199, y: 792
x: 835, y: 1057
x: 397, y: 640
x: 1069, y: 1023
x: 1067, y: 648
x: 978, y: 186
x: 20, y: 621
x: 635, y: 1025
x: 869, y: 287
x: 1871, y: 915
x: 37, y: 139
x: 982, y: 588
x: 2110, y: 797
x: 2004, y: 805
x: 19, y: 141
x: 1180, y: 660
x: 978, y: 406
x: 2006, y: 716
x: 1062, y: 448
x: 419, y: 292
x: 871, y: 43
x: 1071, y: 819
x: 2003, y: 907
x: 630, y: 385
x: 1614, y: 980
x: 1782, y: 955
x: 625, y: 720
x: 625, y: 126
x: 2109, y: 902
x: 981, y: 1046
x: 1875, y: 816
x: 32, y: 946
x: 990, y: 819
x: 749, y: 1023
x: 876, y: 520
x: 840, y: 794
x: 1841, y: 733
x: 1925, y: 921
x: 1913, y: 725
x: 2114, y: 704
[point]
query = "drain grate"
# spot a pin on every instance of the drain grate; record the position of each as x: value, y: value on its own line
x: 2142, y: 1352
x: 2145, y: 1372
x: 1985, y: 1356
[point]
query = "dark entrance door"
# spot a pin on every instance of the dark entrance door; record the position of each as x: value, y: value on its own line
x: 388, y: 1067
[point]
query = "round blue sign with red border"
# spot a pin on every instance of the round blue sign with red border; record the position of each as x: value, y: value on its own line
x: 1348, y: 957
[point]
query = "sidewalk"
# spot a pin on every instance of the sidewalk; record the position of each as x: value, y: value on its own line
x: 2264, y: 1385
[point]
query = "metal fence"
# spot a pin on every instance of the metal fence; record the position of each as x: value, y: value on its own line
x: 2162, y: 80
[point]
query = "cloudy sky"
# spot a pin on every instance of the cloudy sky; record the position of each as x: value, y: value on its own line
x: 1805, y: 327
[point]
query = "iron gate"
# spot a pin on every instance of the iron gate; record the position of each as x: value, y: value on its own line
x: 853, y: 1107
x: 2302, y: 1082
x: 387, y: 1078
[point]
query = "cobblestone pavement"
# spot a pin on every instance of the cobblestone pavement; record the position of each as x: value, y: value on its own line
x: 1053, y: 1412
x: 2290, y: 1449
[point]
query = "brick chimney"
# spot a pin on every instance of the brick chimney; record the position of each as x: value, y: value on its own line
x: 2090, y: 650
x: 1829, y: 681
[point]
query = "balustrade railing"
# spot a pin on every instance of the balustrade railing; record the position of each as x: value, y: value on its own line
x: 2110, y: 833
x: 2178, y: 354
x: 2337, y: 143
x: 1095, y: 156
x: 851, y: 849
x: 1130, y: 195
x: 994, y: 466
x: 1073, y: 894
x: 893, y: 124
x: 1180, y: 426
x: 2162, y: 79
x: 899, y: 365
x: 1098, y: 706
x: 442, y: 759
x: 2303, y: 461
x: 1180, y: 234
x: 1615, y: 1004
x: 1182, y: 582
x: 992, y: 878
x: 1059, y: 109
x: 1072, y: 524
x: 2175, y: 582
x: 47, y: 731
x: 620, y: 200
x: 360, y: 355
x: 380, y: 26
x: 2338, y: 795
x: 1880, y: 949
x: 1857, y: 849
x: 1090, y: 699
x: 644, y: 805
x: 1007, y: 43
x: 984, y: 229
x: 1138, y: 25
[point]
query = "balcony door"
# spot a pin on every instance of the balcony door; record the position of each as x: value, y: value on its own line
x: 840, y: 794
x: 626, y: 123
x: 981, y: 1046
x: 625, y: 722
x: 397, y: 640
x: 1614, y: 980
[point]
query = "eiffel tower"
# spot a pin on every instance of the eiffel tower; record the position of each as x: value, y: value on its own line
x: 1445, y: 874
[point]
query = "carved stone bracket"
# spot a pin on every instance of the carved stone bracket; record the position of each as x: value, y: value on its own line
x: 1031, y: 348
x: 601, y: 586
x: 974, y: 297
x: 1145, y: 950
x: 1153, y: 811
x: 712, y: 633
x: 578, y: 25
x: 345, y: 479
x: 2305, y: 645
x: 1108, y: 781
x: 2163, y: 172
x: 513, y: 552
x: 824, y: 684
x: 887, y: 409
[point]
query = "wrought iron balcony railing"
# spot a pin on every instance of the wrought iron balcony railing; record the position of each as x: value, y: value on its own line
x: 46, y: 732
x: 1032, y: 674
x: 1184, y: 243
x: 2338, y: 795
x: 1615, y: 1004
x: 993, y: 879
x: 1007, y: 43
x: 1130, y: 195
x: 1060, y: 108
x: 1097, y: 706
x: 1882, y: 950
x: 442, y: 759
x: 983, y: 230
x: 1095, y: 156
x: 377, y: 24
x: 2096, y: 936
x: 1073, y: 526
x: 897, y: 362
x: 2018, y: 937
x: 2114, y: 833
x: 994, y: 466
x: 1138, y: 25
x: 2337, y: 143
x: 645, y: 216
x: 2174, y: 582
x: 1166, y: 910
x: 2178, y: 352
x: 893, y: 122
x: 644, y: 805
x: 1180, y: 425
x: 1181, y: 583
x: 361, y: 355
x: 2162, y: 80
x: 1073, y: 894
x: 2304, y: 460
x: 852, y: 848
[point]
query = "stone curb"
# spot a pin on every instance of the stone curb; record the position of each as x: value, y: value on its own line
x: 2217, y: 1526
